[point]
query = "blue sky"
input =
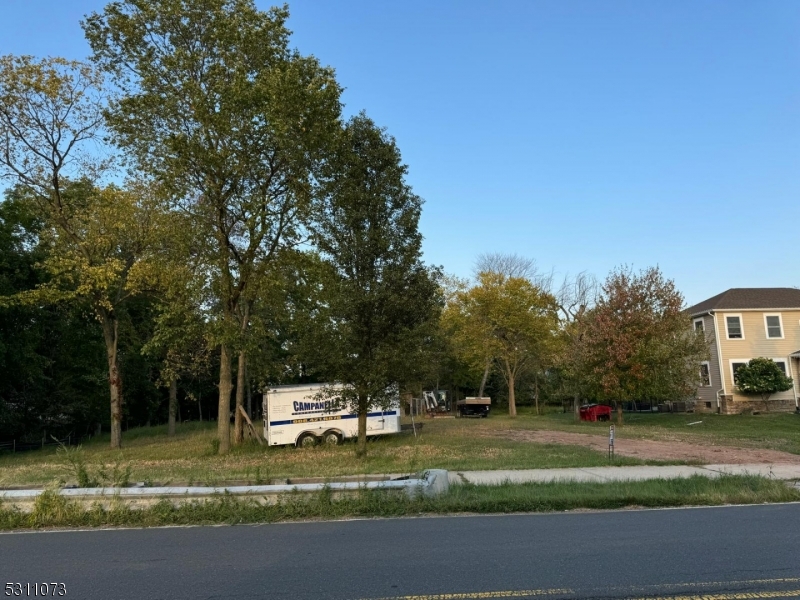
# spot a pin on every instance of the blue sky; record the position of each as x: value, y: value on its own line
x: 585, y: 135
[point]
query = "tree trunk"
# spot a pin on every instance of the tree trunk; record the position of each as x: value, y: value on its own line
x: 200, y: 405
x: 485, y: 377
x: 249, y: 394
x: 173, y: 405
x: 536, y: 393
x: 577, y: 407
x: 512, y: 401
x: 238, y: 420
x: 224, y: 416
x: 111, y: 337
x: 361, y: 446
x: 619, y: 413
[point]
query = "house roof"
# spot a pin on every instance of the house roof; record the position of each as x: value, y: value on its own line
x: 748, y: 298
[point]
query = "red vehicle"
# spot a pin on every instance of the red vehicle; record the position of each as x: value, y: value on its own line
x: 595, y: 412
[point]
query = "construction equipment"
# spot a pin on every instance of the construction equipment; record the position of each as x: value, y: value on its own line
x: 436, y: 402
x: 473, y: 406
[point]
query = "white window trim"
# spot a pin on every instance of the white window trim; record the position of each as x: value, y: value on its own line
x: 741, y: 324
x: 766, y: 327
x: 703, y: 324
x: 708, y: 366
x: 730, y: 366
x: 784, y: 360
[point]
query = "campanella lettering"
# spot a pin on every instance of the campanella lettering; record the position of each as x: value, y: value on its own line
x: 311, y: 406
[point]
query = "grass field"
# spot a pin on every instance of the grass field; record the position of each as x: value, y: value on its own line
x: 52, y: 510
x: 453, y: 444
x: 779, y: 431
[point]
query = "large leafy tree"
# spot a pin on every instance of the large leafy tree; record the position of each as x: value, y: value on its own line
x: 378, y: 300
x: 636, y: 342
x: 217, y: 107
x: 51, y: 358
x: 506, y: 319
x: 97, y: 237
x: 762, y: 377
x: 576, y: 297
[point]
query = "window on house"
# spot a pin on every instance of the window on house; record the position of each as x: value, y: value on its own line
x: 735, y: 366
x: 774, y: 329
x: 699, y: 325
x: 734, y: 323
x: 708, y: 405
x: 705, y: 374
x: 781, y: 364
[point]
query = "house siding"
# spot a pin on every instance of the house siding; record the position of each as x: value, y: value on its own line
x: 756, y: 344
x: 707, y: 396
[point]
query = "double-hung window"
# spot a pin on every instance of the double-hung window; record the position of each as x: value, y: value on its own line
x: 705, y: 374
x: 736, y: 365
x: 774, y: 327
x: 733, y: 327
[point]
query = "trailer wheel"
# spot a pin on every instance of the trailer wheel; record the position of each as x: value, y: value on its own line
x: 307, y: 440
x: 332, y: 438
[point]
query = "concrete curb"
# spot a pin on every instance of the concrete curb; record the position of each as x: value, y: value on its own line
x: 430, y: 484
x: 785, y: 472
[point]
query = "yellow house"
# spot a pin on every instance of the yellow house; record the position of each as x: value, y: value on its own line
x: 741, y: 324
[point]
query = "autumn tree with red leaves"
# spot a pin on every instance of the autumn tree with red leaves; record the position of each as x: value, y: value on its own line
x: 638, y: 344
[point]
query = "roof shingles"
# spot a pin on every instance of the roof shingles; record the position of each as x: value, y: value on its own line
x: 748, y: 298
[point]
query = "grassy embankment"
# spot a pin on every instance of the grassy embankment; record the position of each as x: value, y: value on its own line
x: 189, y: 457
x: 453, y: 444
x: 52, y: 510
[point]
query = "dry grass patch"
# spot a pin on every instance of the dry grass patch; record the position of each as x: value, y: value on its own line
x: 188, y: 458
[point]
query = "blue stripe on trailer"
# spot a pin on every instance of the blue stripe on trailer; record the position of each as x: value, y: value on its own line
x: 330, y: 418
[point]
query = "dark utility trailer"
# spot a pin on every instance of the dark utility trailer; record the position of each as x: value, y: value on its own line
x: 473, y: 407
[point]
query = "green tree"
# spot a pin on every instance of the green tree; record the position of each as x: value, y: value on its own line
x: 378, y: 300
x: 52, y: 376
x: 217, y: 107
x: 576, y: 297
x: 636, y: 342
x: 97, y: 237
x: 509, y: 320
x: 763, y: 377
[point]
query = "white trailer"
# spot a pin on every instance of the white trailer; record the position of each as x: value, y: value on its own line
x: 293, y: 416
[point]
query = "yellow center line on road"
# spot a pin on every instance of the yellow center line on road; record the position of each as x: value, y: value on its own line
x: 710, y: 583
x: 483, y: 595
x: 736, y: 596
x: 569, y: 592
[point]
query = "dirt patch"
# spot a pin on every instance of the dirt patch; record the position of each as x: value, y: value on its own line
x: 653, y: 449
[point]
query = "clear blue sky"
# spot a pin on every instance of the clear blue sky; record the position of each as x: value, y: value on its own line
x: 582, y: 134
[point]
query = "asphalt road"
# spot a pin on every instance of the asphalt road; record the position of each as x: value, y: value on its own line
x: 727, y: 553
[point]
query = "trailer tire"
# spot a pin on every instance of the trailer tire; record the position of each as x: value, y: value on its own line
x: 306, y: 440
x: 332, y: 438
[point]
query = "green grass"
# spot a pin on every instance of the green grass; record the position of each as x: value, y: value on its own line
x: 453, y: 444
x: 778, y: 431
x: 52, y: 510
